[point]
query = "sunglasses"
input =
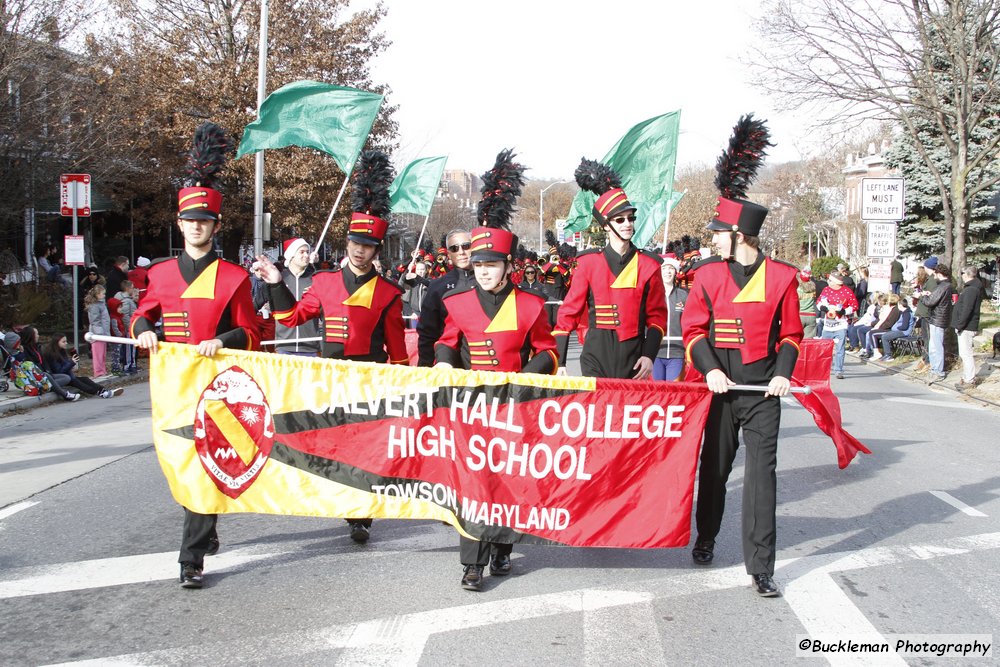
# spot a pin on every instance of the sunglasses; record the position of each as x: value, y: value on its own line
x: 622, y: 218
x: 457, y: 247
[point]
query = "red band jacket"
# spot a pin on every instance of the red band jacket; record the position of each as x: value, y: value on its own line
x: 199, y: 300
x: 362, y: 315
x: 631, y: 302
x: 503, y: 331
x: 759, y: 319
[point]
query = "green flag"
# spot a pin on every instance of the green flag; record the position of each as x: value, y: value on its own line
x: 658, y: 214
x: 645, y: 159
x: 415, y: 187
x: 333, y: 119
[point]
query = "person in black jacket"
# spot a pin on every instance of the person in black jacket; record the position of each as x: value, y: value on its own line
x: 939, y: 306
x: 965, y: 320
x: 430, y: 326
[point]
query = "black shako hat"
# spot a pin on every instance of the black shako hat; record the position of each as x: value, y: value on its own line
x: 735, y: 170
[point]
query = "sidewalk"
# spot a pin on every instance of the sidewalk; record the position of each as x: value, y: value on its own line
x: 13, y: 400
x: 987, y: 373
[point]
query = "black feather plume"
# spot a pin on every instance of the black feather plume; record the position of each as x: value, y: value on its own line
x: 207, y: 156
x: 443, y: 244
x: 550, y: 239
x: 567, y: 251
x: 596, y: 177
x: 738, y: 164
x: 370, y: 190
x: 501, y: 187
x: 428, y: 247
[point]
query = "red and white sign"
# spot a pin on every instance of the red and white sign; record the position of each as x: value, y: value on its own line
x: 74, y: 193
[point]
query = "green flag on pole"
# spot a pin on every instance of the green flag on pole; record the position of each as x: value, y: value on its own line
x: 333, y: 119
x: 645, y: 159
x: 416, y: 186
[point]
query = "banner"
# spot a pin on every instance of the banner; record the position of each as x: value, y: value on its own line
x: 502, y: 457
x: 414, y: 190
x: 333, y: 119
x: 812, y: 369
x: 645, y: 159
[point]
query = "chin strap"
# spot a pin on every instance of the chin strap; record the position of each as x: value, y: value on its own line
x: 732, y: 246
x: 613, y: 231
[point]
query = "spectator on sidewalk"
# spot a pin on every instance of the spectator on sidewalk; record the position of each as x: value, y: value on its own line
x: 24, y: 348
x: 117, y: 273
x: 58, y: 361
x: 861, y: 291
x: 921, y: 310
x: 138, y: 276
x: 837, y: 304
x: 128, y: 295
x: 845, y: 276
x: 939, y: 305
x: 857, y: 329
x: 896, y: 275
x: 887, y: 318
x: 669, y: 362
x: 807, y: 304
x: 965, y: 320
x: 902, y: 329
x: 100, y: 324
x: 90, y: 280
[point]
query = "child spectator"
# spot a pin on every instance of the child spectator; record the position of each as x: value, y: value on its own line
x: 100, y: 324
x: 117, y: 329
x: 58, y: 361
x: 129, y: 297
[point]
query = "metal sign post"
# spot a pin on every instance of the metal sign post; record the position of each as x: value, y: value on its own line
x: 74, y: 195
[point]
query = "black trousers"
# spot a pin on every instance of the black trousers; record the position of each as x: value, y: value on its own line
x: 604, y: 356
x: 198, y: 530
x: 473, y: 552
x: 759, y: 417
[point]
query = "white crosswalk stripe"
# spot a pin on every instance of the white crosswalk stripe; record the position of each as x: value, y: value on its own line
x: 817, y: 601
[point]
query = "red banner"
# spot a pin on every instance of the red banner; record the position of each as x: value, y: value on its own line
x: 503, y: 457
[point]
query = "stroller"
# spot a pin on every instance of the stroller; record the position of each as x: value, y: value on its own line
x: 31, y: 379
x: 6, y: 365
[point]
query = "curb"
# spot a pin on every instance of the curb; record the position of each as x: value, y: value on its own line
x: 945, y: 383
x: 20, y: 404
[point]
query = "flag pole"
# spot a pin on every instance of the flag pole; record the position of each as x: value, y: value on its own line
x: 258, y: 172
x: 413, y: 262
x: 666, y: 225
x: 329, y: 218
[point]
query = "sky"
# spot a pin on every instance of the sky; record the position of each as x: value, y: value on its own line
x: 558, y: 80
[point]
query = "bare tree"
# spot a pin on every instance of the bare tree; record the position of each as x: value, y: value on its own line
x: 905, y: 61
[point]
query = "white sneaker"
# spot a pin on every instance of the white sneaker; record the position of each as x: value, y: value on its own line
x: 70, y: 396
x: 111, y: 393
x: 876, y: 357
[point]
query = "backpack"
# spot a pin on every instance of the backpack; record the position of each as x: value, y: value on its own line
x: 29, y: 378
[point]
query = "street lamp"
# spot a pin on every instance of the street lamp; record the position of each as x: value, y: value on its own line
x: 541, y: 212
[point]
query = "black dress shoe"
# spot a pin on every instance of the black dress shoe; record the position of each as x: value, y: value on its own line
x: 191, y: 576
x: 213, y: 546
x: 472, y: 580
x: 500, y: 565
x: 703, y: 552
x: 764, y: 586
x: 359, y: 533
